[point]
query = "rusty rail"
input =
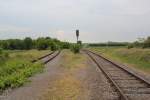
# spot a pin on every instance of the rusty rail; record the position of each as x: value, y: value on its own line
x: 58, y: 52
x: 128, y: 71
x: 122, y: 96
x: 124, y: 71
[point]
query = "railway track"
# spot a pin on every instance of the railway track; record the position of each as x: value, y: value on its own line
x: 46, y: 58
x: 126, y: 84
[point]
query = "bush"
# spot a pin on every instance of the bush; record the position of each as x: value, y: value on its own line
x: 147, y: 43
x: 75, y: 48
x: 1, y: 50
x: 54, y: 46
x: 15, y: 73
x: 3, y: 55
x: 130, y: 46
x: 65, y: 45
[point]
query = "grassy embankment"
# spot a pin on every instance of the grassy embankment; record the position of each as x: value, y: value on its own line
x: 136, y: 57
x: 68, y: 86
x: 15, y: 67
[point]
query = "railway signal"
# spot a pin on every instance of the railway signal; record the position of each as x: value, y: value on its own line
x: 77, y: 35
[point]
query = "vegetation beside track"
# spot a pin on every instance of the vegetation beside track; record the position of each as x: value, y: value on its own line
x: 67, y: 86
x: 16, y: 67
x: 42, y: 43
x: 136, y: 57
x: 72, y: 61
x: 29, y: 54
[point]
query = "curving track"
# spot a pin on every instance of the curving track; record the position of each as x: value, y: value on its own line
x: 46, y: 58
x: 126, y: 84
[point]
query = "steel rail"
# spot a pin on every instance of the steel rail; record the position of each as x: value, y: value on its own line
x: 58, y: 52
x: 35, y: 60
x: 128, y: 71
x: 124, y: 68
x: 122, y: 96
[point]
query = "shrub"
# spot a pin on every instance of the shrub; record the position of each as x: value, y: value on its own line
x: 75, y: 48
x: 65, y: 45
x: 54, y: 46
x: 147, y: 43
x: 130, y: 46
x: 1, y: 50
x: 15, y: 73
x: 3, y: 55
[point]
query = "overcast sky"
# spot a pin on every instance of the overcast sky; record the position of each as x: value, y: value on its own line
x: 97, y: 20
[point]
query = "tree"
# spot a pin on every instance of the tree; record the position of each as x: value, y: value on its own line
x: 42, y: 44
x: 147, y: 43
x: 27, y: 43
x: 65, y: 45
x: 53, y: 46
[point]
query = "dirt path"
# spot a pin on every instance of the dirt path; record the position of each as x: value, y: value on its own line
x: 64, y: 79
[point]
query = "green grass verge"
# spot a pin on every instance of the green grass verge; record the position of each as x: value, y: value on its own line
x: 17, y: 68
x: 28, y: 54
x: 136, y: 57
x: 71, y: 60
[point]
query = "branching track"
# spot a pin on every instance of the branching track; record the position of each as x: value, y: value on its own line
x: 46, y: 58
x: 128, y: 85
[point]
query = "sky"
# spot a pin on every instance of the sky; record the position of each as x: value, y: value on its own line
x: 97, y: 20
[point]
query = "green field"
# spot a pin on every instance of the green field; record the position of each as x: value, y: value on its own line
x: 135, y: 57
x: 16, y: 67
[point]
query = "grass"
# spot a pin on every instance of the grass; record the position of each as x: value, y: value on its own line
x: 72, y: 61
x: 136, y: 57
x: 16, y: 68
x: 29, y: 54
x: 66, y: 88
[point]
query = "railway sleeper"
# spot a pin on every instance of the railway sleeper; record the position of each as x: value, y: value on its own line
x: 109, y: 96
x: 128, y: 81
x: 138, y: 96
x: 120, y: 76
x: 114, y: 78
x: 132, y: 85
x: 137, y: 91
x: 112, y: 70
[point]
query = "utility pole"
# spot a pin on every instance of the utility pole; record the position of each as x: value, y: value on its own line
x: 77, y: 35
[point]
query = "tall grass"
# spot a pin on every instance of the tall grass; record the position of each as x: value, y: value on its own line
x: 16, y: 69
x: 28, y: 54
x: 139, y: 58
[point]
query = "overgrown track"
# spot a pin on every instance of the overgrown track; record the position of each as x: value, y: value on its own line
x: 126, y: 84
x: 46, y: 58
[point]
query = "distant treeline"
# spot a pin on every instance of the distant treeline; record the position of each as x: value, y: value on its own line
x: 141, y: 42
x: 109, y: 44
x: 29, y: 43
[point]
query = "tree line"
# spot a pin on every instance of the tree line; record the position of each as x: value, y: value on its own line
x: 28, y: 43
x: 141, y: 42
x: 109, y: 44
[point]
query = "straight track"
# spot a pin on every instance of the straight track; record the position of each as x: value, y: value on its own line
x: 126, y: 84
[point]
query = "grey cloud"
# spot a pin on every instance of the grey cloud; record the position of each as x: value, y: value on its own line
x: 98, y: 20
